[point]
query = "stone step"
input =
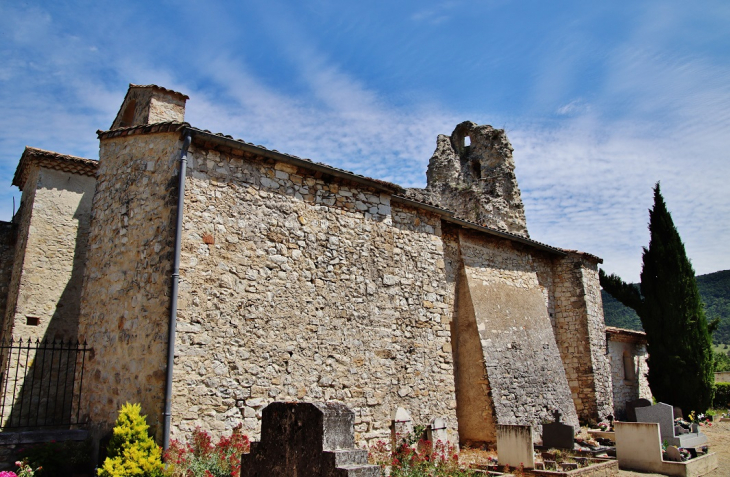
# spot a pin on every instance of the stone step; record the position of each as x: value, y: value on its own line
x: 342, y: 457
x: 355, y: 470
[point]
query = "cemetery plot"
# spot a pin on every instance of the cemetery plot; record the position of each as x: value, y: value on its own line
x: 639, y: 446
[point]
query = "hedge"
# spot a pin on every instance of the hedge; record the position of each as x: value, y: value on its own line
x: 722, y: 396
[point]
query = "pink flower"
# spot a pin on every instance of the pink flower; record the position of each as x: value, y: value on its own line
x: 7, y: 473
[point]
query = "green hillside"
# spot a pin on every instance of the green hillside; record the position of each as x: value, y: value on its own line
x: 715, y: 291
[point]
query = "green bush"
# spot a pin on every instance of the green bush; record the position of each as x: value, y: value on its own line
x: 722, y: 396
x: 131, y: 451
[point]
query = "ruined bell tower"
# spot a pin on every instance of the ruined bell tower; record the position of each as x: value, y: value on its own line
x: 472, y: 173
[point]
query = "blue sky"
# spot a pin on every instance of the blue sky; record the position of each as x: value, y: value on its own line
x: 599, y: 99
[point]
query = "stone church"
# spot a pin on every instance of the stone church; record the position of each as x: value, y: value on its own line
x: 210, y: 276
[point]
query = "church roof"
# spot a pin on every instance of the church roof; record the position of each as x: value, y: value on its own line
x: 210, y: 139
x: 51, y: 160
x: 625, y: 335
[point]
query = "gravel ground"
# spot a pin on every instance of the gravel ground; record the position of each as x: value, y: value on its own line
x: 719, y: 436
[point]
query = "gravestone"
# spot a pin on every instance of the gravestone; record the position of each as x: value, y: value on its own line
x: 631, y: 408
x: 515, y: 446
x: 305, y: 440
x: 401, y: 426
x: 436, y: 431
x: 557, y: 434
x: 663, y: 414
x: 678, y: 412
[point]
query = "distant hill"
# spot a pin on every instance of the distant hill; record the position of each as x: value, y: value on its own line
x: 715, y: 291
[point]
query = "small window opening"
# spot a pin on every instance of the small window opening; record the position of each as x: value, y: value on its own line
x: 467, y: 141
x: 32, y: 321
x: 128, y: 116
x: 629, y: 371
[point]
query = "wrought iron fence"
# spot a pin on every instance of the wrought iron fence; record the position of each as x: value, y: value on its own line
x: 41, y: 383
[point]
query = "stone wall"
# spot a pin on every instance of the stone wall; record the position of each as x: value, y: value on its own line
x: 602, y: 401
x: 55, y: 254
x: 43, y: 273
x: 629, y: 371
x: 125, y: 301
x: 297, y: 286
x: 525, y: 375
x: 580, y: 334
x: 302, y: 282
x: 722, y: 377
x: 8, y: 236
x: 22, y: 221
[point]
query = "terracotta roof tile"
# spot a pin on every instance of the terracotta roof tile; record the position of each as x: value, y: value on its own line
x: 167, y: 126
x: 52, y: 160
x: 585, y: 254
x: 160, y: 88
x: 625, y: 335
x: 507, y: 235
x: 319, y: 165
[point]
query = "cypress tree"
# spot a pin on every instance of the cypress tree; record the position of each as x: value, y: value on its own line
x: 672, y: 314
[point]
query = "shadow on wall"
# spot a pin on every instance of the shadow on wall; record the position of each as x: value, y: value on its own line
x: 44, y: 377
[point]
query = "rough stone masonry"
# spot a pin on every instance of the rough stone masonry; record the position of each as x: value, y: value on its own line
x: 304, y: 282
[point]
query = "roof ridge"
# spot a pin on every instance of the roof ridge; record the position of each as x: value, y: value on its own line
x: 310, y: 163
x: 161, y: 88
x: 52, y: 160
x: 395, y: 189
x: 162, y: 126
x: 38, y: 150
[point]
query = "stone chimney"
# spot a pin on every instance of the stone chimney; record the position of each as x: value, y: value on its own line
x: 472, y: 173
x: 148, y: 104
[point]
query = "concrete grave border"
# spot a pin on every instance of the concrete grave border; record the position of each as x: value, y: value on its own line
x: 639, y: 447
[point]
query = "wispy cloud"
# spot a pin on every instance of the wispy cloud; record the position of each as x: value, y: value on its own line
x: 352, y: 129
x: 574, y: 107
x: 435, y: 15
x: 586, y: 158
x: 587, y: 182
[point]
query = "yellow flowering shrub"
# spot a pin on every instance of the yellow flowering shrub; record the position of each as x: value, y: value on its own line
x: 131, y: 451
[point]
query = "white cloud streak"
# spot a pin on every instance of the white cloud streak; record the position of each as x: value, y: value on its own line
x: 585, y: 176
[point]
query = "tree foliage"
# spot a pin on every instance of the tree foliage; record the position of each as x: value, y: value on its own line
x: 672, y: 314
x: 714, y: 290
x: 721, y: 362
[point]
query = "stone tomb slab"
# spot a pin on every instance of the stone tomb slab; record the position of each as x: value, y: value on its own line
x: 558, y: 435
x: 515, y: 446
x: 305, y: 440
x: 437, y: 431
x: 639, y: 447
